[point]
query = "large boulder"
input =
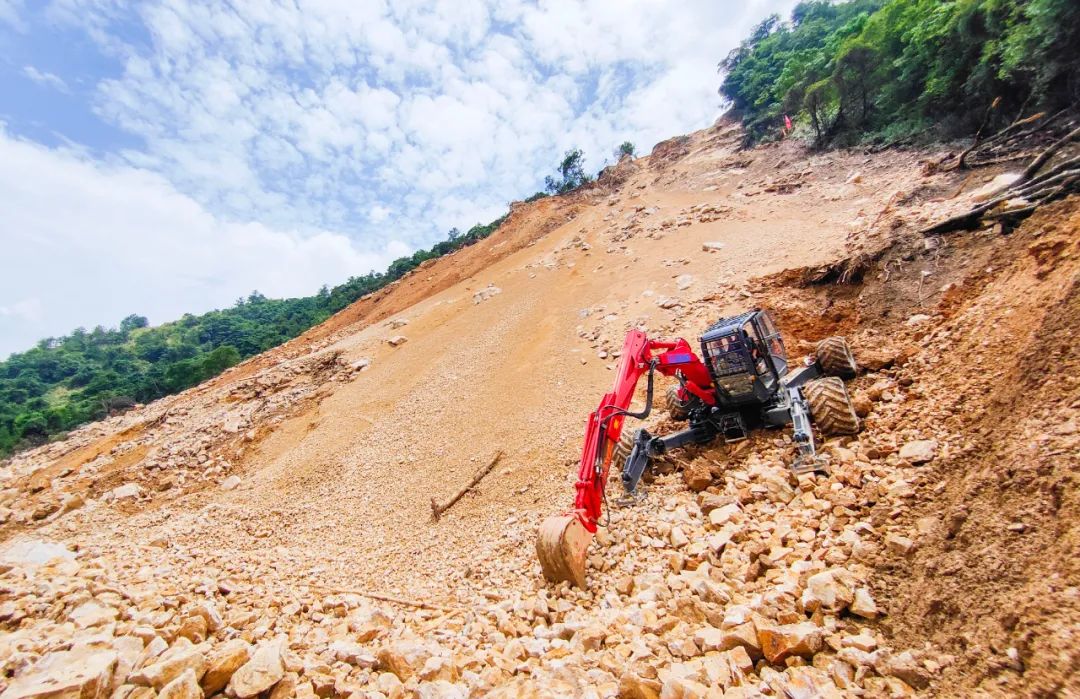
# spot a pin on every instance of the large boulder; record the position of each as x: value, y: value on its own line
x: 80, y: 673
x: 182, y: 656
x: 779, y: 643
x: 186, y: 686
x: 223, y: 663
x: 261, y: 672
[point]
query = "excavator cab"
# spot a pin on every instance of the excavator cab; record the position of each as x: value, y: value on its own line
x: 746, y: 359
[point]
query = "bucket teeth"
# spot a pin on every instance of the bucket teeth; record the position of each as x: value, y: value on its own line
x: 562, y: 546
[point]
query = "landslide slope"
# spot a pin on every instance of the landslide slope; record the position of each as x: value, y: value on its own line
x: 289, y: 498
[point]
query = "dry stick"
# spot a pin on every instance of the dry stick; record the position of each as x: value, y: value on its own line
x: 960, y: 165
x: 385, y: 598
x: 437, y: 509
x: 1037, y: 164
x: 1028, y: 132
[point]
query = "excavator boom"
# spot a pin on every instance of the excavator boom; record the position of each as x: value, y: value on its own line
x: 563, y: 540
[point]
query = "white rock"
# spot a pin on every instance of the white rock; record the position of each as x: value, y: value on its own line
x: 80, y: 673
x: 713, y: 246
x: 128, y: 490
x: 994, y: 186
x: 230, y: 483
x: 919, y: 451
x: 261, y: 672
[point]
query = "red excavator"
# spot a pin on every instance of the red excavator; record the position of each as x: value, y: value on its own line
x: 744, y: 382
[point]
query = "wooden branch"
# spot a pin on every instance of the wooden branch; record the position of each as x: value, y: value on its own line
x: 1037, y: 164
x: 1030, y: 185
x: 419, y: 604
x: 960, y: 164
x: 437, y: 509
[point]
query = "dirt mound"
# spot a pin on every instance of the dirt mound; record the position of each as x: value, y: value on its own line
x: 274, y: 525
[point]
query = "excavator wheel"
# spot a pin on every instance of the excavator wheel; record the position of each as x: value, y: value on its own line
x: 677, y: 408
x: 830, y: 406
x: 622, y: 449
x: 835, y: 358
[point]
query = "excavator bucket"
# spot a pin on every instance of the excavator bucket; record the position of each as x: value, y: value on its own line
x: 562, y: 546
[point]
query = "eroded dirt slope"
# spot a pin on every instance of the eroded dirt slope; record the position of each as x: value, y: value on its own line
x: 261, y: 511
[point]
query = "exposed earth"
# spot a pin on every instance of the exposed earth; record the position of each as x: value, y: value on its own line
x: 270, y: 533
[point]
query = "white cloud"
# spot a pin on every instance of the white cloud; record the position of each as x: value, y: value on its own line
x: 46, y: 78
x: 96, y: 243
x: 313, y: 113
x: 11, y: 14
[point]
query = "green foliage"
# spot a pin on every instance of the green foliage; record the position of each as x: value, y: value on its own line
x: 625, y: 148
x: 571, y: 173
x: 64, y: 382
x: 888, y: 68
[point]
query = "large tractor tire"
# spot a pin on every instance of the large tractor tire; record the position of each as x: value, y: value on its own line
x: 830, y: 406
x: 835, y: 358
x: 622, y: 449
x: 677, y: 408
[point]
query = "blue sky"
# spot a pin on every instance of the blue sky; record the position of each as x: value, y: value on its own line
x: 162, y: 157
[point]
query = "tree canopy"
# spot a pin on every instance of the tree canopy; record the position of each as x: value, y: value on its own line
x: 571, y: 173
x: 890, y: 68
x: 86, y: 375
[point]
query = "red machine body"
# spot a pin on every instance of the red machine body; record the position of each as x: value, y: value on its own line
x: 605, y: 423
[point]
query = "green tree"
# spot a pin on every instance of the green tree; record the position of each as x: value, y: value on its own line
x: 626, y: 148
x: 571, y: 173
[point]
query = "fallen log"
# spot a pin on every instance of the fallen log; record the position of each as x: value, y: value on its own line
x: 437, y: 509
x: 1034, y: 188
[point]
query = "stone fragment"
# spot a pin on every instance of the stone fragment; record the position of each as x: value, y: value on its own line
x: 863, y: 641
x: 831, y: 590
x: 186, y: 686
x: 225, y: 660
x: 697, y: 475
x: 183, y: 655
x: 80, y: 673
x: 722, y: 515
x: 92, y: 613
x: 863, y: 605
x: 802, y: 639
x: 286, y: 688
x: 230, y: 483
x: 368, y: 622
x: 634, y: 686
x: 684, y: 282
x: 126, y: 491
x: 683, y: 688
x: 743, y: 636
x: 712, y: 246
x: 486, y: 293
x: 352, y: 653
x: 261, y: 672
x: 404, y: 658
x: 899, y: 544
x: 919, y: 451
x: 905, y: 667
x: 193, y: 628
x: 397, y: 340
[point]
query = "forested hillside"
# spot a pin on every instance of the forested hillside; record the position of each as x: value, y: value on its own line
x: 66, y: 381
x: 889, y: 69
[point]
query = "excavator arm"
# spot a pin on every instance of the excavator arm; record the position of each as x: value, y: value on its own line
x: 563, y: 540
